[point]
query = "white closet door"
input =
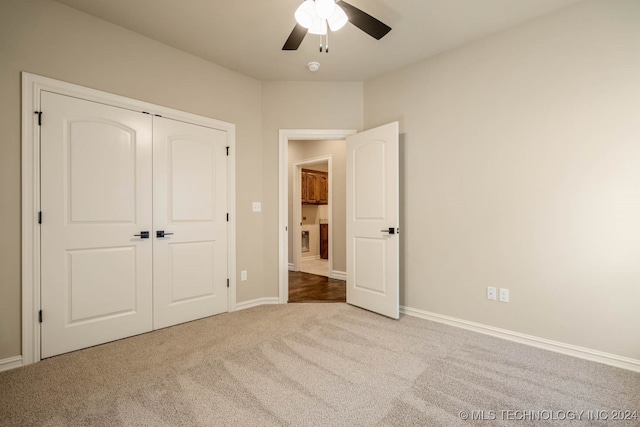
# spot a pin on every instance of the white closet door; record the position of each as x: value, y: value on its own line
x: 190, y: 208
x: 96, y: 188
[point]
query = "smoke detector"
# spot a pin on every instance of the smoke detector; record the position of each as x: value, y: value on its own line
x: 313, y: 66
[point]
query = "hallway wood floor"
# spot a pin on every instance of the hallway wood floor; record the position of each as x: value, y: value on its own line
x: 305, y: 287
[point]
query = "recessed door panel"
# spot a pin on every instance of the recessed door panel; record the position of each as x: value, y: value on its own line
x: 102, y: 283
x: 96, y: 274
x: 370, y: 256
x: 192, y: 191
x: 369, y: 171
x: 102, y: 171
x: 192, y: 271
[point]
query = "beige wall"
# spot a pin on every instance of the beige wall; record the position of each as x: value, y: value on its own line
x: 298, y: 105
x: 49, y: 39
x: 521, y: 169
x: 304, y: 150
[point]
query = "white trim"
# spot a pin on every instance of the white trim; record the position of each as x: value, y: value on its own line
x: 310, y: 258
x: 256, y: 302
x: 291, y: 266
x: 543, y: 343
x: 338, y: 275
x: 231, y: 229
x: 30, y: 231
x: 284, y: 136
x: 32, y: 87
x: 10, y: 363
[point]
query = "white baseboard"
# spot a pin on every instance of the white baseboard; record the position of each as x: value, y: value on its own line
x: 310, y: 257
x: 257, y: 302
x: 339, y: 275
x: 10, y: 363
x: 290, y: 266
x: 558, y: 347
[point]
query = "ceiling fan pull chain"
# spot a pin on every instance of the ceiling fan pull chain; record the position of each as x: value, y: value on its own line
x: 326, y: 44
x: 321, y: 43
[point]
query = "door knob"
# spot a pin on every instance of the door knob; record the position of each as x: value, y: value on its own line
x: 390, y: 230
x: 143, y: 235
x: 161, y: 233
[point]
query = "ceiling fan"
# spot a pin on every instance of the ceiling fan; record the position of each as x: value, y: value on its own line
x: 314, y: 17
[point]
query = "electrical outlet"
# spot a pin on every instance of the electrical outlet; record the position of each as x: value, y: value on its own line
x: 256, y: 206
x: 243, y: 275
x: 491, y: 293
x: 504, y: 295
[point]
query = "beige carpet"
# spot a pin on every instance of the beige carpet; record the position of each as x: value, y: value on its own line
x: 313, y: 364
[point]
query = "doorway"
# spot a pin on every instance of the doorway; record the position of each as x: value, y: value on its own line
x: 311, y: 208
x: 310, y: 150
x: 371, y: 195
x: 311, y: 211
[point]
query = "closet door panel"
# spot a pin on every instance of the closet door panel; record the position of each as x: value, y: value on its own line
x: 96, y: 274
x: 190, y: 222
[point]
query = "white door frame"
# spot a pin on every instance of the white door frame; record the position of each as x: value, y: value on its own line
x: 286, y: 135
x: 297, y: 208
x: 32, y: 87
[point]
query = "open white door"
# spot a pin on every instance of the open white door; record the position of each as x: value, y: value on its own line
x: 373, y: 278
x: 189, y: 222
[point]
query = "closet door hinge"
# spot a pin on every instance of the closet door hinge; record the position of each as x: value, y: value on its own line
x: 40, y: 316
x: 227, y: 217
x: 227, y: 151
x: 39, y: 113
x: 227, y: 283
x: 40, y: 217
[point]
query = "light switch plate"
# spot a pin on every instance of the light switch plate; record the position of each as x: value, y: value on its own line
x: 504, y: 295
x: 256, y: 206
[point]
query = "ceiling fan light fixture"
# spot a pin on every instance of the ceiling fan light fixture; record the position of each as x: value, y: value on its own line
x: 334, y: 17
x: 306, y: 13
x: 338, y: 19
x: 325, y: 8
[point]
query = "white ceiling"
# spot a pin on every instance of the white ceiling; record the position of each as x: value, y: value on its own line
x: 247, y: 35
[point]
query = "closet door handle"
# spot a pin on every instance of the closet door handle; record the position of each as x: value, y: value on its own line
x: 161, y: 233
x: 390, y: 230
x: 143, y: 235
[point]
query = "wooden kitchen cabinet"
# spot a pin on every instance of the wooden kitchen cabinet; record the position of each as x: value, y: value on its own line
x: 304, y: 186
x: 324, y: 241
x: 312, y: 188
x: 323, y: 189
x: 315, y: 187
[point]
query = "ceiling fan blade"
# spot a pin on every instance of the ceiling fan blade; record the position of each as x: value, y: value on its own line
x: 295, y: 38
x: 367, y: 23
